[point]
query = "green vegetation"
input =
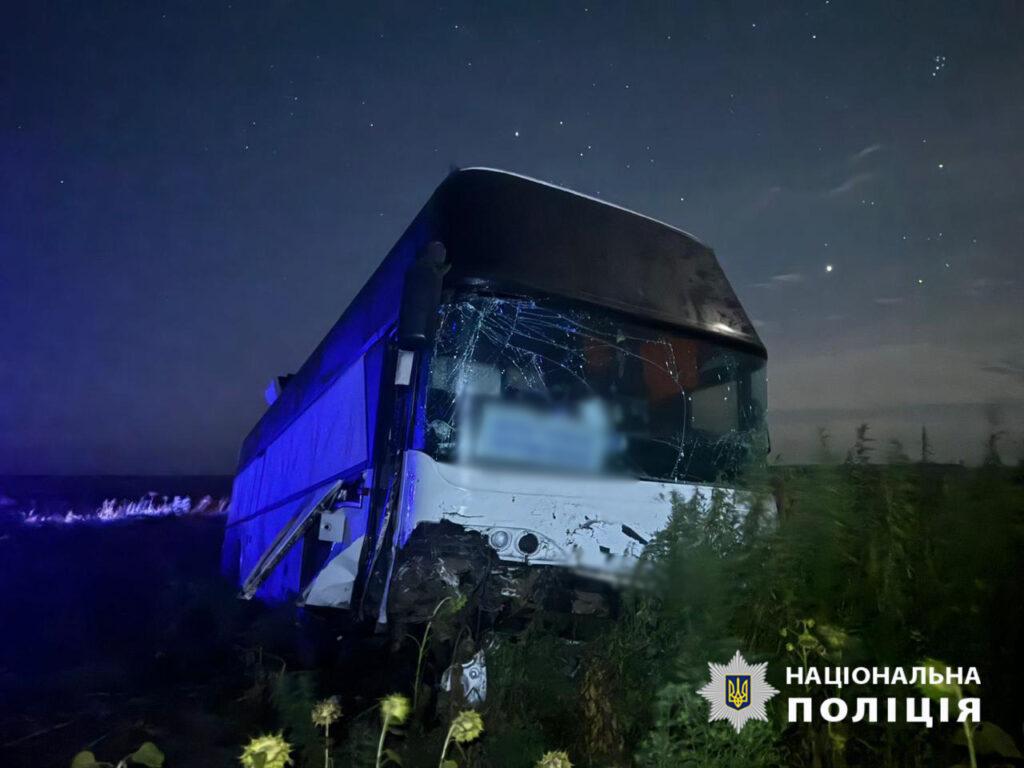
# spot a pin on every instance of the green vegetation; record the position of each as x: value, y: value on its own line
x: 850, y: 563
x: 147, y: 755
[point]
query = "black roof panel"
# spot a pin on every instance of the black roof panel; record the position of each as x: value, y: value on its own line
x: 501, y: 227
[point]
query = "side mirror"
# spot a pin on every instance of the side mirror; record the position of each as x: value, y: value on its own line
x: 421, y: 296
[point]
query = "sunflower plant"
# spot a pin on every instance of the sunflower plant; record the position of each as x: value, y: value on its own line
x: 466, y: 727
x: 394, y: 710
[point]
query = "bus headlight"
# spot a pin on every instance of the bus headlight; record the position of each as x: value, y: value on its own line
x: 528, y: 543
x: 499, y: 539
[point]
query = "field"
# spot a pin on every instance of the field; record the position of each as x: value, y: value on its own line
x: 123, y: 633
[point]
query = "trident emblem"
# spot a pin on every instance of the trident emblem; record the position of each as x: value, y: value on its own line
x: 737, y: 691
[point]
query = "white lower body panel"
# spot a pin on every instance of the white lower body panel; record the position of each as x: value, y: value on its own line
x: 596, y: 525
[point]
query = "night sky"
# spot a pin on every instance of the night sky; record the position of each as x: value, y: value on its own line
x: 190, y: 193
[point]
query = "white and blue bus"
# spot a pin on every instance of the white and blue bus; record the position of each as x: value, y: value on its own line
x: 518, y: 390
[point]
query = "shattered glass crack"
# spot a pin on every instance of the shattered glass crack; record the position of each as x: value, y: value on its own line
x: 534, y: 383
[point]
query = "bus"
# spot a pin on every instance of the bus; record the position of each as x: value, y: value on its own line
x: 506, y: 409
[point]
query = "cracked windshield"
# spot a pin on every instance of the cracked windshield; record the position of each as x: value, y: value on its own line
x: 535, y: 384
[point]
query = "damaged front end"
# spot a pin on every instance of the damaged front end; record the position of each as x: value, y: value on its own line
x: 551, y: 442
x: 442, y: 560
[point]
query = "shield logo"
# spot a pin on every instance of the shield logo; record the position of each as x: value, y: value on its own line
x: 737, y: 691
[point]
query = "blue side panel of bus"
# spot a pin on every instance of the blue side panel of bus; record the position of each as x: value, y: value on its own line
x: 321, y: 428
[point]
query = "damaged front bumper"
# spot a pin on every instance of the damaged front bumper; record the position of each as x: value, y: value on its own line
x: 515, y: 540
x: 594, y: 526
x: 442, y: 560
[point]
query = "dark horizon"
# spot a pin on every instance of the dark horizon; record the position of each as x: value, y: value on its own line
x: 194, y: 194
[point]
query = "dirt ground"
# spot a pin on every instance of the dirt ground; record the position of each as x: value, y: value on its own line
x: 114, y: 634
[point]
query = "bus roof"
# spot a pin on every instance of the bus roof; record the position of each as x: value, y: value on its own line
x: 516, y: 232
